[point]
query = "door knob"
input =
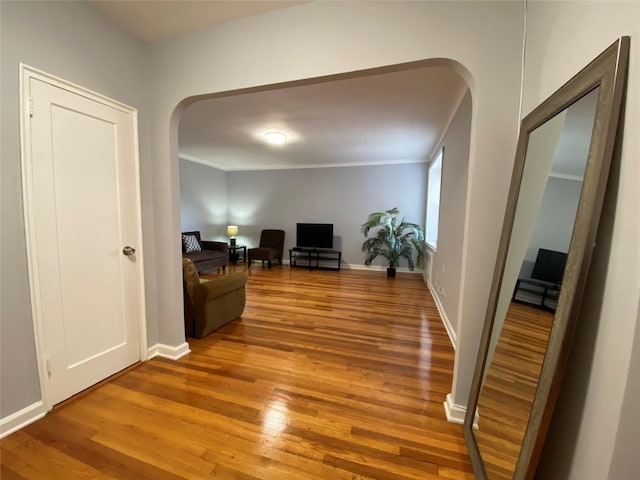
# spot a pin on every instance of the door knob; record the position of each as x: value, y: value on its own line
x: 128, y: 250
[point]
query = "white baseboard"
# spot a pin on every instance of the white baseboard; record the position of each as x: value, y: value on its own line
x: 375, y: 268
x: 378, y: 268
x: 455, y: 413
x: 453, y: 338
x: 36, y: 411
x: 21, y: 418
x: 168, y: 351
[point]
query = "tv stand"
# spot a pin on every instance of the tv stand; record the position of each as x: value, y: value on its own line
x: 536, y: 293
x: 315, y: 258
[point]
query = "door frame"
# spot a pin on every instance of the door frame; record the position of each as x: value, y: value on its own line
x: 26, y: 74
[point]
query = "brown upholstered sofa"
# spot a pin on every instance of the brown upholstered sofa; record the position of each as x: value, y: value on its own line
x: 210, y: 304
x: 208, y: 256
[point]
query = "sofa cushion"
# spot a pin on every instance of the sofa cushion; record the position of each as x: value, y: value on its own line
x: 225, y: 284
x: 204, y: 255
x: 190, y: 244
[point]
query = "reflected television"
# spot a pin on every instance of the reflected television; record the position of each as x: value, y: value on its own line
x: 549, y: 266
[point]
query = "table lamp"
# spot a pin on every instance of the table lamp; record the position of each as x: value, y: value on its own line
x: 232, y: 231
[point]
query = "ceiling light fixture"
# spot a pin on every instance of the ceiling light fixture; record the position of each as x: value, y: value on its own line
x: 276, y: 138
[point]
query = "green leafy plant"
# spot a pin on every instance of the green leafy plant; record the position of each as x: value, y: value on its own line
x: 394, y: 240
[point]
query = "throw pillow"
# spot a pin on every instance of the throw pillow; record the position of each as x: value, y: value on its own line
x: 190, y: 244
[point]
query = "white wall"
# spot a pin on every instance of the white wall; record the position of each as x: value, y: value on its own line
x: 203, y: 200
x: 626, y: 461
x: 562, y: 37
x: 72, y: 41
x: 482, y: 39
x: 446, y: 273
x: 344, y: 196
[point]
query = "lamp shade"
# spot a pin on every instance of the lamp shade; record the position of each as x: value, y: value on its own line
x: 232, y: 230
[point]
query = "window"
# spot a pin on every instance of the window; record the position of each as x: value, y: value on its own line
x: 433, y: 199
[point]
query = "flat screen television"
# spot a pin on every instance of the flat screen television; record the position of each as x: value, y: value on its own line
x: 549, y: 266
x: 314, y: 235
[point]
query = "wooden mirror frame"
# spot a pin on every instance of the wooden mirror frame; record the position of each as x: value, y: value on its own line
x: 608, y: 72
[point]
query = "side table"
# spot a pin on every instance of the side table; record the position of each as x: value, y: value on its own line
x: 234, y: 257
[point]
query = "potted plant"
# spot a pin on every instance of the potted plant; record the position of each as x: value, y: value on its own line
x: 395, y: 239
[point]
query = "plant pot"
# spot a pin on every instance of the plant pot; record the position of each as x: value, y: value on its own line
x: 391, y: 272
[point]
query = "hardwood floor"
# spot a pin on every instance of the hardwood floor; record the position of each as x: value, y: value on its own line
x: 509, y: 388
x: 329, y: 375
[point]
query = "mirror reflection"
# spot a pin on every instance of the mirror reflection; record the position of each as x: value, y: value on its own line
x: 550, y: 189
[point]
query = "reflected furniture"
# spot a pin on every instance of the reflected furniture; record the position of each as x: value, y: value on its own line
x: 536, y: 294
x: 523, y: 350
x: 210, y: 303
x: 315, y: 258
x: 270, y: 247
x: 206, y: 256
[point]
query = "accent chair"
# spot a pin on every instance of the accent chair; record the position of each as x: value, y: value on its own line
x: 210, y: 303
x: 270, y: 248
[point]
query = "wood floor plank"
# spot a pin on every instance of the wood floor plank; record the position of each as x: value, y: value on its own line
x: 7, y: 473
x: 59, y: 464
x: 116, y: 463
x: 509, y: 389
x: 328, y: 375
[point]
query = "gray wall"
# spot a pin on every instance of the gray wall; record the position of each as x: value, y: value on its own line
x: 343, y: 196
x: 447, y: 260
x: 203, y: 200
x: 559, y: 204
x: 92, y: 52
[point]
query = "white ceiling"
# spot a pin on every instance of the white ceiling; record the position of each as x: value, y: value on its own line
x: 373, y: 119
x: 390, y: 117
x: 394, y: 117
x: 152, y: 20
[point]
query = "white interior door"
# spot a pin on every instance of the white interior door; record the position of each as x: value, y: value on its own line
x: 83, y: 202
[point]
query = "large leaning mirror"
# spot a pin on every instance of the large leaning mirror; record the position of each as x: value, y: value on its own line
x: 557, y: 189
